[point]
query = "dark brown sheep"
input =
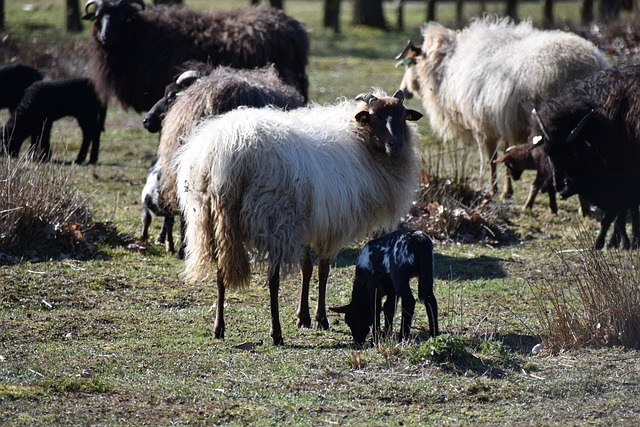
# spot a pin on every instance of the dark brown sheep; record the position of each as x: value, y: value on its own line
x: 136, y: 51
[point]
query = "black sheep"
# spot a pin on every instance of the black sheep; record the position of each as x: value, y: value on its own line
x: 591, y: 133
x: 46, y: 101
x: 135, y: 51
x: 14, y: 80
x: 383, y: 269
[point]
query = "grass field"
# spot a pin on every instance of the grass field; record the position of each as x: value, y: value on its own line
x: 120, y: 339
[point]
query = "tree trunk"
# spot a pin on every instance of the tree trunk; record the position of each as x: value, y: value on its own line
x: 369, y: 12
x: 547, y: 14
x: 431, y: 10
x: 74, y: 25
x: 512, y: 9
x: 459, y: 13
x: 400, y: 14
x: 586, y: 13
x: 332, y: 15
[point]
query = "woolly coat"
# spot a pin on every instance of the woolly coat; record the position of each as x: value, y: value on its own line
x: 271, y: 182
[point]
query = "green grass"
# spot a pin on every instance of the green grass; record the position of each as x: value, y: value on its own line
x: 120, y: 339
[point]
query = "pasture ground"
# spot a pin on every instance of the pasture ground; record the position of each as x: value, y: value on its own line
x: 120, y: 339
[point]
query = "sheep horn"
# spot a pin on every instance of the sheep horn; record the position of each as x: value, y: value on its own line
x: 539, y: 121
x: 186, y: 78
x: 574, y: 133
x: 410, y: 46
x: 366, y: 97
x: 89, y: 16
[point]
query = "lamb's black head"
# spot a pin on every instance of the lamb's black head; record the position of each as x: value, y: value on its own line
x: 110, y: 17
x: 383, y: 121
x: 357, y: 314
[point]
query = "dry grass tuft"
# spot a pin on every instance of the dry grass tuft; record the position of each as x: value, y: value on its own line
x: 42, y: 215
x: 592, y: 299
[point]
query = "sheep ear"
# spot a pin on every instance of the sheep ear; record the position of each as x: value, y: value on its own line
x: 343, y: 309
x: 500, y: 159
x: 413, y: 115
x: 362, y: 117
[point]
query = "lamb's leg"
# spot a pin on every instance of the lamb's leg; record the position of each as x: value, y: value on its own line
x: 306, y: 269
x: 84, y: 148
x: 431, y: 304
x: 274, y: 286
x: 146, y: 222
x: 218, y: 325
x: 167, y: 224
x: 389, y: 311
x: 408, y: 308
x: 321, y: 309
x: 95, y: 147
x: 533, y: 192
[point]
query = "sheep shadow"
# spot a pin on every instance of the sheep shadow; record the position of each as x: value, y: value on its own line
x: 480, y: 267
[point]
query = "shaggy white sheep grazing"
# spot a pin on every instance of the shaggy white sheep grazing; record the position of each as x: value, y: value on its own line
x: 273, y: 182
x: 481, y: 83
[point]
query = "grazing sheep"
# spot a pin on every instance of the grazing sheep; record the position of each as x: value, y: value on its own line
x: 46, y: 101
x: 222, y: 90
x: 274, y: 182
x: 591, y: 133
x: 384, y: 269
x: 135, y: 51
x: 480, y: 84
x: 519, y: 158
x: 152, y: 204
x: 14, y: 80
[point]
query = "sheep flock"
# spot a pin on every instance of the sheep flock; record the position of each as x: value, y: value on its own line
x: 261, y: 175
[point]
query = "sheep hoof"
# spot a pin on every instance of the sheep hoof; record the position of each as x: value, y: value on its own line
x: 323, y: 324
x: 218, y: 330
x: 304, y: 323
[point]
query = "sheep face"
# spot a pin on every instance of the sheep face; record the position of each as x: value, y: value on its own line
x: 110, y: 17
x: 153, y: 120
x: 566, y: 136
x: 383, y: 121
x: 410, y: 84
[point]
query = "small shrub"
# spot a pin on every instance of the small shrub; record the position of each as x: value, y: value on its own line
x: 441, y: 349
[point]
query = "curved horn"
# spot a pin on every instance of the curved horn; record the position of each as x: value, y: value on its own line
x: 574, y: 133
x: 90, y: 15
x: 366, y: 97
x: 539, y: 121
x: 188, y: 77
x: 399, y: 95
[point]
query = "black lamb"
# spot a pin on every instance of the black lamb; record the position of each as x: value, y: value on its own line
x: 46, y: 101
x: 14, y: 80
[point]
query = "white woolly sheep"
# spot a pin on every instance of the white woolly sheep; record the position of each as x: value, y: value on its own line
x: 275, y: 182
x: 480, y: 84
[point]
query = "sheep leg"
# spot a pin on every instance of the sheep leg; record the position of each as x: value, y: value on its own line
x: 306, y: 269
x: 321, y: 309
x: 585, y: 206
x: 635, y: 227
x: 84, y: 148
x: 492, y: 151
x: 533, y: 192
x: 183, y: 244
x: 218, y: 325
x: 274, y: 286
x: 146, y: 222
x: 95, y: 147
x: 619, y: 236
x: 44, y: 153
x: 408, y: 308
x: 389, y: 310
x: 167, y: 226
x: 604, y: 227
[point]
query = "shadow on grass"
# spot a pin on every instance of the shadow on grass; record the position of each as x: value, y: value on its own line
x: 481, y: 267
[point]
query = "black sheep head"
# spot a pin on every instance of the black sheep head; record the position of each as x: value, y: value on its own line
x: 357, y: 314
x: 110, y: 17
